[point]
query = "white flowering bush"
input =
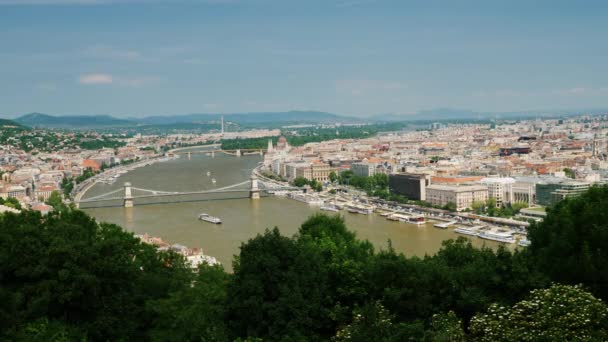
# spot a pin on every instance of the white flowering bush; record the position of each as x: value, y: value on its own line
x: 559, y: 313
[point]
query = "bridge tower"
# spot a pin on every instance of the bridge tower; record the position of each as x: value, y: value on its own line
x: 254, y: 192
x: 128, y: 201
x: 238, y: 153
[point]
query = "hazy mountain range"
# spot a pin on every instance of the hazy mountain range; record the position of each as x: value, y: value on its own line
x: 290, y: 117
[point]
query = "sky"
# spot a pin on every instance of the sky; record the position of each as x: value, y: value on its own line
x: 132, y: 58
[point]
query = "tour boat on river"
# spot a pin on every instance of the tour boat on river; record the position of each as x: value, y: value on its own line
x: 359, y: 209
x: 209, y: 218
x: 329, y: 207
x: 466, y: 230
x: 506, y: 237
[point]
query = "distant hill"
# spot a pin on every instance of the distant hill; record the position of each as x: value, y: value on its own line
x: 76, y: 121
x: 249, y: 118
x: 4, y: 123
x: 100, y: 121
x: 441, y: 114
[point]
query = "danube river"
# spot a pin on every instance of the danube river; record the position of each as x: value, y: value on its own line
x: 242, y: 218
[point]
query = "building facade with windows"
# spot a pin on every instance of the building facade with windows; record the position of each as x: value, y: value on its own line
x: 462, y: 196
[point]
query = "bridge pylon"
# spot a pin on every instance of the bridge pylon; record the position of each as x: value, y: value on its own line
x: 254, y: 192
x: 128, y: 200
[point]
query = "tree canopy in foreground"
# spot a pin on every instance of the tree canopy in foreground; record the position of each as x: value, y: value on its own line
x: 65, y: 276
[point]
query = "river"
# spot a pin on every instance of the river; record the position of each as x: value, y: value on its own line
x: 242, y: 218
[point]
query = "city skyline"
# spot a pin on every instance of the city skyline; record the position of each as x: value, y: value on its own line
x: 142, y: 57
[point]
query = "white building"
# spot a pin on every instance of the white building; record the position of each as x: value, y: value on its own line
x: 461, y: 195
x: 500, y: 188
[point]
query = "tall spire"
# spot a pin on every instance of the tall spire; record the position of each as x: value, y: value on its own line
x: 270, y: 148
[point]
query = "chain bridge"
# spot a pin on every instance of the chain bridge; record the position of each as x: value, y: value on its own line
x: 129, y: 195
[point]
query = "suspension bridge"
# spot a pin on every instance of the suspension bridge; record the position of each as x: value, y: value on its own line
x: 210, y: 152
x: 129, y: 195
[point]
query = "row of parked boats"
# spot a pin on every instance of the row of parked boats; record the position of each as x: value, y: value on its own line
x: 494, y: 234
x: 394, y: 214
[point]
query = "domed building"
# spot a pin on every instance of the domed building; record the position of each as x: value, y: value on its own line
x: 282, y: 143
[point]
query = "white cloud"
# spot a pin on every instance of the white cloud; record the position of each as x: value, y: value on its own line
x: 96, y: 79
x: 130, y: 81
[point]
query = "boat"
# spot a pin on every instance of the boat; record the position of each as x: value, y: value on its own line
x: 329, y: 207
x: 466, y: 230
x: 397, y: 217
x: 506, y: 237
x: 208, y: 173
x: 524, y: 242
x: 309, y: 199
x: 356, y: 209
x: 415, y: 219
x: 444, y: 225
x: 209, y: 218
x: 213, y: 180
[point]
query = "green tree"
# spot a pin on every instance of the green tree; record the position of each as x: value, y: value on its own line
x: 11, y: 202
x: 275, y: 290
x: 66, y: 267
x: 478, y: 207
x: 559, y: 313
x: 451, y: 206
x: 570, y: 244
x: 194, y: 313
x: 300, y: 182
x: 333, y: 176
x: 569, y: 173
x: 56, y: 201
x: 372, y: 322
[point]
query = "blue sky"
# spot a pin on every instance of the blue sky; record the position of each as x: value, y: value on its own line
x: 356, y: 57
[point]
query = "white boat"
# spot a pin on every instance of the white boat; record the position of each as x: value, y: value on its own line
x: 213, y: 180
x: 524, y: 242
x: 329, y: 207
x: 397, y: 217
x: 209, y: 218
x: 208, y: 173
x: 357, y: 209
x: 466, y: 230
x: 506, y: 237
x: 444, y: 225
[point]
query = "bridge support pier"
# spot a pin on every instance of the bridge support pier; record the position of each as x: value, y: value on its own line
x: 254, y: 193
x: 128, y: 201
x: 212, y: 154
x: 238, y: 153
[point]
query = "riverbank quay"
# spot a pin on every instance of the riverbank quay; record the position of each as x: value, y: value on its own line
x: 112, y: 174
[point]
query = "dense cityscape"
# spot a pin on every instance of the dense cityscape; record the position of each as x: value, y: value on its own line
x: 304, y: 170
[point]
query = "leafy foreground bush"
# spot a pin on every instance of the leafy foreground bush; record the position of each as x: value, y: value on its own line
x: 559, y: 313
